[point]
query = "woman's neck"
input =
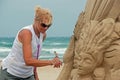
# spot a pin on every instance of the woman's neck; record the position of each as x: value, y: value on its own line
x: 36, y: 31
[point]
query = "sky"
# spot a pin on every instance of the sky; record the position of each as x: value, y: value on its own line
x: 15, y: 14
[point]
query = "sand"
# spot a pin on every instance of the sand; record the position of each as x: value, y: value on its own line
x: 48, y: 72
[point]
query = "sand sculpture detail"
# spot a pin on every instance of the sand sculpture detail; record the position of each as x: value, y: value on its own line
x: 94, y: 49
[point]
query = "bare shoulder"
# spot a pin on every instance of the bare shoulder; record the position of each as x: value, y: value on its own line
x: 25, y: 35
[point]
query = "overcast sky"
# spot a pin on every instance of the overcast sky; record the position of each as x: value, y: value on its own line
x: 15, y: 14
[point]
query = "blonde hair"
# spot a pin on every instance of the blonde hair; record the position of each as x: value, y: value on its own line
x: 43, y: 13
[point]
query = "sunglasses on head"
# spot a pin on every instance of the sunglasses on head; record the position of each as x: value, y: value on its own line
x: 44, y: 25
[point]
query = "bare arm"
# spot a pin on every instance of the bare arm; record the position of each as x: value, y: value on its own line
x: 25, y: 37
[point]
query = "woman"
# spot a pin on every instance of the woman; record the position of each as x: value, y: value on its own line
x: 22, y: 61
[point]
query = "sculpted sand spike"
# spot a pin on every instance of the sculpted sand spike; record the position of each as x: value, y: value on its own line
x: 94, y: 50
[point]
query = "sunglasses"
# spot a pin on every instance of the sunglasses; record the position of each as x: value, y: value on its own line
x: 44, y: 25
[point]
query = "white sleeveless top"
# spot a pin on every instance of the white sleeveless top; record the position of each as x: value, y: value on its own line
x: 14, y: 62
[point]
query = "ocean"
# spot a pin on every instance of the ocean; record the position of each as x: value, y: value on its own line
x: 51, y: 44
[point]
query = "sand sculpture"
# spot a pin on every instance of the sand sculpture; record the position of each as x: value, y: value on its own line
x: 94, y: 49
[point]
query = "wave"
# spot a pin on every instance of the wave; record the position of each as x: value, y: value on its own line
x: 55, y: 43
x: 58, y: 50
x: 5, y: 43
x: 4, y: 49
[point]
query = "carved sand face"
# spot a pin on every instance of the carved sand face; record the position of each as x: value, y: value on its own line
x: 86, y: 64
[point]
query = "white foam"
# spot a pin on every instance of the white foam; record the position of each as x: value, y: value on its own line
x: 4, y: 49
x: 58, y: 50
x: 6, y: 43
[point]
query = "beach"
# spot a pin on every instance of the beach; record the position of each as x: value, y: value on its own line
x: 48, y: 72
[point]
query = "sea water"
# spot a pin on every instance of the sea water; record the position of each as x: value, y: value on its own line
x: 51, y: 44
